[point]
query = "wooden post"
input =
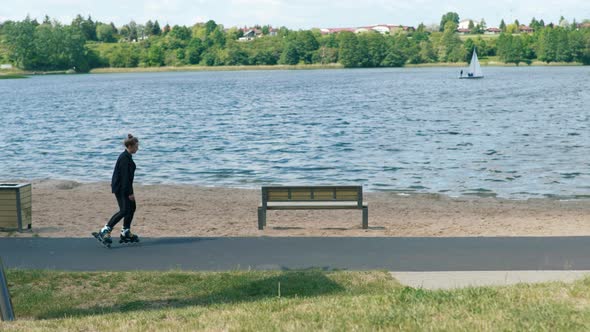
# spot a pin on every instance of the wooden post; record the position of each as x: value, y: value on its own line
x: 365, y: 217
x: 5, y: 303
x: 261, y: 218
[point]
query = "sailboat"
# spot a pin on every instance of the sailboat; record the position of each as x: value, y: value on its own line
x: 474, y: 70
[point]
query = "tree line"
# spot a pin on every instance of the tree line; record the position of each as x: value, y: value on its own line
x: 85, y: 44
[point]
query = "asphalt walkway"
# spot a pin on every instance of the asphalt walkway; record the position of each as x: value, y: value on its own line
x: 274, y: 253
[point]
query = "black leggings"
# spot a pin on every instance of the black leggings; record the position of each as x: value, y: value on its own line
x: 126, y: 210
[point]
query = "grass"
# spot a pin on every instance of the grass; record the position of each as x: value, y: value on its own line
x: 490, y: 61
x: 213, y: 68
x: 11, y: 76
x: 493, y: 61
x: 309, y: 301
x: 474, y: 37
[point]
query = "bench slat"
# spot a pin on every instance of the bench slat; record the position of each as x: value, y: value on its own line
x: 278, y: 195
x: 312, y: 194
x: 323, y: 194
x: 300, y: 195
x: 313, y: 205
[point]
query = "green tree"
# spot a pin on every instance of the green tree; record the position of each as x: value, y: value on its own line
x: 149, y: 27
x: 514, y: 49
x: 584, y: 56
x: 133, y: 33
x: 194, y: 50
x: 449, y: 47
x: 553, y: 44
x: 535, y: 25
x: 166, y: 29
x: 105, y: 33
x: 502, y: 26
x: 216, y: 37
x: 468, y: 45
x: 564, y: 49
x: 155, y: 55
x: 427, y: 52
x: 325, y: 55
x: 46, y: 45
x: 482, y: 26
x: 20, y: 42
x: 395, y: 57
x: 347, y: 52
x: 210, y: 26
x: 234, y: 34
x: 156, y: 31
x: 362, y: 51
x: 199, y: 31
x: 421, y: 28
x: 512, y: 28
x: 397, y: 52
x: 471, y: 26
x: 576, y: 43
x: 180, y: 33
x: 59, y: 47
x: 290, y: 55
x: 123, y: 55
x: 125, y: 32
x: 236, y: 55
x: 546, y: 45
x: 306, y: 44
x: 448, y: 17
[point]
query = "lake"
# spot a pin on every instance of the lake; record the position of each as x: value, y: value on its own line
x: 518, y: 133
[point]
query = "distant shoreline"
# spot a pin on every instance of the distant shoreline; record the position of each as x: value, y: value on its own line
x: 484, y: 63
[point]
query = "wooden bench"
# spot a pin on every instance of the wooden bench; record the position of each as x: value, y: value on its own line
x: 312, y: 197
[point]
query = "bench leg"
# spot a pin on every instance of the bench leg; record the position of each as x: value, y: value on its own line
x: 261, y: 218
x: 365, y: 217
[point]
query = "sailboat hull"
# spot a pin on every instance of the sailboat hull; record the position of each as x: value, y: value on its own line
x: 471, y: 78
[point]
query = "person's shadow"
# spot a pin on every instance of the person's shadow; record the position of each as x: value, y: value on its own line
x: 203, y: 290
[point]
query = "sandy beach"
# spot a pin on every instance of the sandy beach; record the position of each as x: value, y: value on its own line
x: 72, y: 209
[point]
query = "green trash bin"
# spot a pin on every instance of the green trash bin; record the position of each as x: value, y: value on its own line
x: 16, y: 201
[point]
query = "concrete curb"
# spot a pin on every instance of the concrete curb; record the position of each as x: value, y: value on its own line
x: 460, y: 279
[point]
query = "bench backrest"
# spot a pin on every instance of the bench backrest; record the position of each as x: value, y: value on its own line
x: 312, y: 194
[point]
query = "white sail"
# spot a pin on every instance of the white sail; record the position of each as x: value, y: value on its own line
x: 474, y: 67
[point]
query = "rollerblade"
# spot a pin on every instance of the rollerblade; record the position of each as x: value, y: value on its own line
x: 128, y: 237
x: 104, y: 236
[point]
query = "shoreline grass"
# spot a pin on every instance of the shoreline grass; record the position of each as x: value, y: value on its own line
x: 11, y: 76
x: 494, y: 62
x: 282, y: 300
x: 213, y: 68
x: 485, y: 62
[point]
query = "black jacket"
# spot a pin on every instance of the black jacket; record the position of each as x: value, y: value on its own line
x: 122, y: 182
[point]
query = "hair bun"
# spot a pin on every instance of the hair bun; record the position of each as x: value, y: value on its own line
x: 129, y: 136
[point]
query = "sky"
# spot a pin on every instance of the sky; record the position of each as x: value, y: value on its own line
x: 297, y: 14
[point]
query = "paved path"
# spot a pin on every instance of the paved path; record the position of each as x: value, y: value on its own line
x: 459, y: 279
x: 264, y: 253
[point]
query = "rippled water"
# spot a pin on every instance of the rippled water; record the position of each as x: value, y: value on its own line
x: 518, y: 133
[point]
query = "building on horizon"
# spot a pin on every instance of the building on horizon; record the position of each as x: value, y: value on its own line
x: 385, y: 29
